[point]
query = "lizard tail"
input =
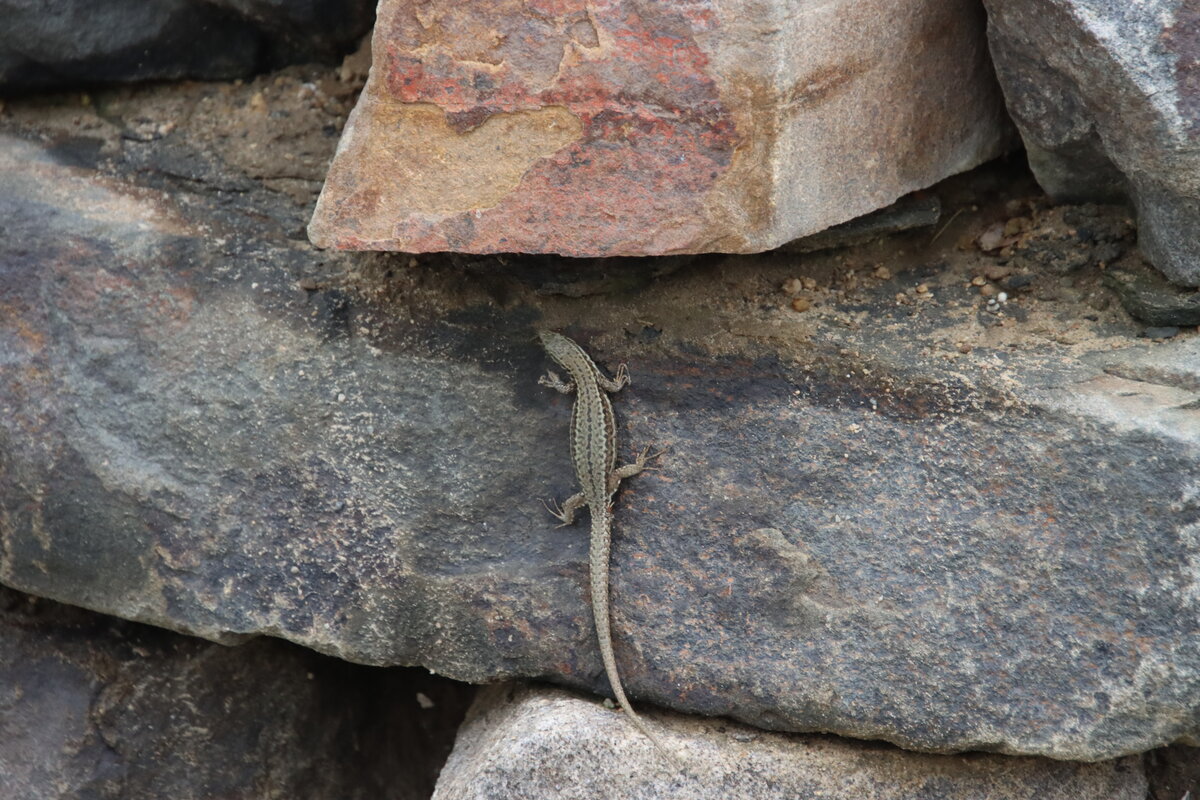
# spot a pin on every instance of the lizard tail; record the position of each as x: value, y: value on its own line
x: 601, y: 547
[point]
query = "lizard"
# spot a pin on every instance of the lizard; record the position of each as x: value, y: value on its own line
x: 594, y: 456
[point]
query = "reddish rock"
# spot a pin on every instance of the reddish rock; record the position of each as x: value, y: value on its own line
x: 627, y: 128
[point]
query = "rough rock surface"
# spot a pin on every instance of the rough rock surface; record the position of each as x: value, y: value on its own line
x: 914, y: 512
x: 628, y: 128
x: 63, y: 43
x: 1106, y: 95
x: 534, y: 743
x: 1147, y: 296
x: 92, y: 707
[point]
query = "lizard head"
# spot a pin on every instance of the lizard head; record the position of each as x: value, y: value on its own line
x: 555, y: 343
x: 561, y: 349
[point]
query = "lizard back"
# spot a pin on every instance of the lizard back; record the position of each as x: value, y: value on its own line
x: 593, y: 428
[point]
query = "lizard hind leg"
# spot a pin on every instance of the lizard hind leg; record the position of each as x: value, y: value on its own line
x: 566, y: 513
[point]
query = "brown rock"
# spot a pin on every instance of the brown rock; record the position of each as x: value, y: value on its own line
x: 624, y: 129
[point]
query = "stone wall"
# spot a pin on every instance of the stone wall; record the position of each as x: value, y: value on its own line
x: 926, y: 519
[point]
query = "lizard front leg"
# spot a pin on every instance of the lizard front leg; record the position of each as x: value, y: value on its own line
x: 556, y: 383
x: 615, y: 384
x: 629, y: 470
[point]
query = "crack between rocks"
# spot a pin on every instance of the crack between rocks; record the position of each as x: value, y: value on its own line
x: 1154, y: 378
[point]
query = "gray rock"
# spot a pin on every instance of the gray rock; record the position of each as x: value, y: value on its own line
x: 1152, y: 300
x: 207, y: 425
x: 92, y: 707
x: 1106, y: 98
x: 64, y: 43
x: 540, y: 743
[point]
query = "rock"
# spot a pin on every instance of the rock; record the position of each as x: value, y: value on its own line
x: 1173, y: 773
x: 531, y: 743
x: 1150, y: 299
x: 1106, y: 97
x: 649, y: 129
x: 897, y: 515
x: 71, y: 43
x: 94, y: 707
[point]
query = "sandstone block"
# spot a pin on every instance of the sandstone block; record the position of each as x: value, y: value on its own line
x: 623, y: 128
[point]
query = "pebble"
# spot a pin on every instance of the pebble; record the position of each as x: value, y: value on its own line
x: 997, y: 272
x: 992, y: 238
x: 1017, y: 225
